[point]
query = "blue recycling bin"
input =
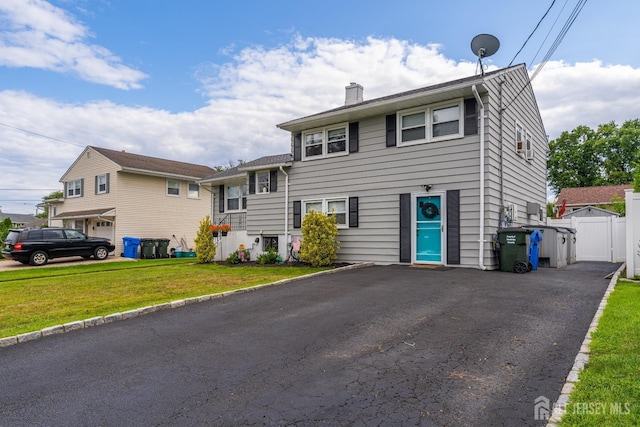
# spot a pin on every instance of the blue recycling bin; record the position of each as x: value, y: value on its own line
x: 130, y: 247
x: 534, y: 248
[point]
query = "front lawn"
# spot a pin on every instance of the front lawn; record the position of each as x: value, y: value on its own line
x: 35, y: 298
x: 608, y: 392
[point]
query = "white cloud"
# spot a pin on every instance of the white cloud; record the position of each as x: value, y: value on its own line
x: 263, y: 87
x: 37, y: 34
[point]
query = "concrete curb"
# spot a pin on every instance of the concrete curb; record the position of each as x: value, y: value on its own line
x: 130, y: 314
x: 582, y: 358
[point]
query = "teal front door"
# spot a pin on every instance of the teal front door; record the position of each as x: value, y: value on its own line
x: 428, y: 229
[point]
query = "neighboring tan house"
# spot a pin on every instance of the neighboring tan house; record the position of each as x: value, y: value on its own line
x: 426, y: 176
x: 18, y: 220
x: 115, y: 194
x: 587, y: 199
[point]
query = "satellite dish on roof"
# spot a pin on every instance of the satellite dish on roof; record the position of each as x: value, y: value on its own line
x: 484, y: 45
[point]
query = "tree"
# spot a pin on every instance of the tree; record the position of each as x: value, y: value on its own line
x: 5, y: 225
x: 205, y: 247
x: 585, y: 158
x: 54, y: 195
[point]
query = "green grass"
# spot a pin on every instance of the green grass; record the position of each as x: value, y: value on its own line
x: 35, y: 298
x: 608, y: 392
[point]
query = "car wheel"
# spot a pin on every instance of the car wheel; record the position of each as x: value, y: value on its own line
x: 100, y: 253
x: 38, y: 258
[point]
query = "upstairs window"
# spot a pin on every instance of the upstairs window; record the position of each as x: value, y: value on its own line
x: 74, y: 188
x: 262, y: 182
x: 193, y: 191
x: 431, y: 124
x: 173, y: 187
x: 102, y: 184
x: 236, y: 197
x: 325, y: 142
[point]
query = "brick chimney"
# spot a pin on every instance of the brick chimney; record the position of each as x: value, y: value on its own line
x: 354, y: 94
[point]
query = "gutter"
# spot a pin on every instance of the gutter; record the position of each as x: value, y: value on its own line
x: 481, y: 240
x: 286, y: 207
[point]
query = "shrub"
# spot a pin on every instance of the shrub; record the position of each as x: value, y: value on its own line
x: 319, y: 245
x: 205, y: 247
x: 269, y: 257
x: 239, y: 256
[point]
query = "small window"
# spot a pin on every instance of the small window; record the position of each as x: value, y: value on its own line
x: 101, y: 184
x: 269, y: 242
x: 193, y: 191
x: 74, y: 188
x: 236, y: 197
x: 173, y: 187
x: 414, y: 127
x: 445, y: 121
x: 529, y: 147
x: 519, y: 138
x: 262, y: 182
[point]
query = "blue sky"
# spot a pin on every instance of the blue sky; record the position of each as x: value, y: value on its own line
x: 206, y: 82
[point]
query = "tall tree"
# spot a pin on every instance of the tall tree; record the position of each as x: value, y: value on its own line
x: 573, y: 160
x: 585, y: 158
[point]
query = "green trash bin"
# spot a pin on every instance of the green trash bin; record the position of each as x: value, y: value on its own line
x: 514, y: 249
x: 147, y: 248
x: 161, y: 248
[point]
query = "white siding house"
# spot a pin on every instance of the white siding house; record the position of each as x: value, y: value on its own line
x: 115, y: 194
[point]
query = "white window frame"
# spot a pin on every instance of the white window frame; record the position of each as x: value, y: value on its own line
x: 325, y: 142
x: 193, y: 194
x: 77, y: 188
x: 325, y: 207
x: 429, y: 123
x: 528, y: 146
x: 102, y: 181
x: 170, y: 187
x: 243, y: 189
x: 266, y: 189
x: 519, y: 138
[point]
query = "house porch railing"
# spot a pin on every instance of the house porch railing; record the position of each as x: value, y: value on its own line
x: 237, y: 221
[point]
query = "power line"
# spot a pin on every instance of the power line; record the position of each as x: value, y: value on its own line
x: 41, y: 135
x: 532, y: 32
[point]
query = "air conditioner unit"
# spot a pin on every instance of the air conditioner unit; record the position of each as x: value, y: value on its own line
x: 519, y: 147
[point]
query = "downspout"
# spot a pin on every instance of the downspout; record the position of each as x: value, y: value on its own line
x: 286, y: 208
x: 481, y: 240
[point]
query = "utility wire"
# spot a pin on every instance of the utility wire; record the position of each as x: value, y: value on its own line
x: 563, y: 32
x: 41, y: 135
x: 549, y: 32
x: 534, y: 30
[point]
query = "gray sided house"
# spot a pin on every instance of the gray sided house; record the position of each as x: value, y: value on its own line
x: 426, y: 176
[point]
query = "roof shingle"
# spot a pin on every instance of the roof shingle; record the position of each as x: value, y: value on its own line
x: 591, y: 195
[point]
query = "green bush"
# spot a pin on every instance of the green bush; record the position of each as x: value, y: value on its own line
x: 205, y: 247
x: 239, y: 256
x: 269, y: 257
x: 319, y: 245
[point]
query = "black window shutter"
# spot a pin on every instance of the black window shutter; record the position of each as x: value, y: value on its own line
x: 453, y: 227
x: 108, y: 182
x: 470, y: 116
x: 297, y: 147
x: 405, y: 227
x: 354, y: 130
x: 96, y: 185
x: 353, y: 211
x: 252, y: 183
x: 82, y: 187
x: 391, y: 130
x: 221, y: 199
x: 273, y: 181
x: 65, y: 190
x: 297, y: 214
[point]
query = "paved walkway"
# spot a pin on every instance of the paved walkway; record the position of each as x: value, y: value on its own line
x: 383, y: 345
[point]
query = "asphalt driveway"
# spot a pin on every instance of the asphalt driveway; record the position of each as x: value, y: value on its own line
x: 382, y: 345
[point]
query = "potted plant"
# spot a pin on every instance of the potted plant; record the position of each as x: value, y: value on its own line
x: 220, y: 228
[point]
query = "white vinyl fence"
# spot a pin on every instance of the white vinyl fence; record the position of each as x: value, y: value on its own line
x: 633, y: 233
x: 597, y: 238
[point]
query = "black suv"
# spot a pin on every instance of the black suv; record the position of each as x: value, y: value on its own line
x: 36, y: 246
